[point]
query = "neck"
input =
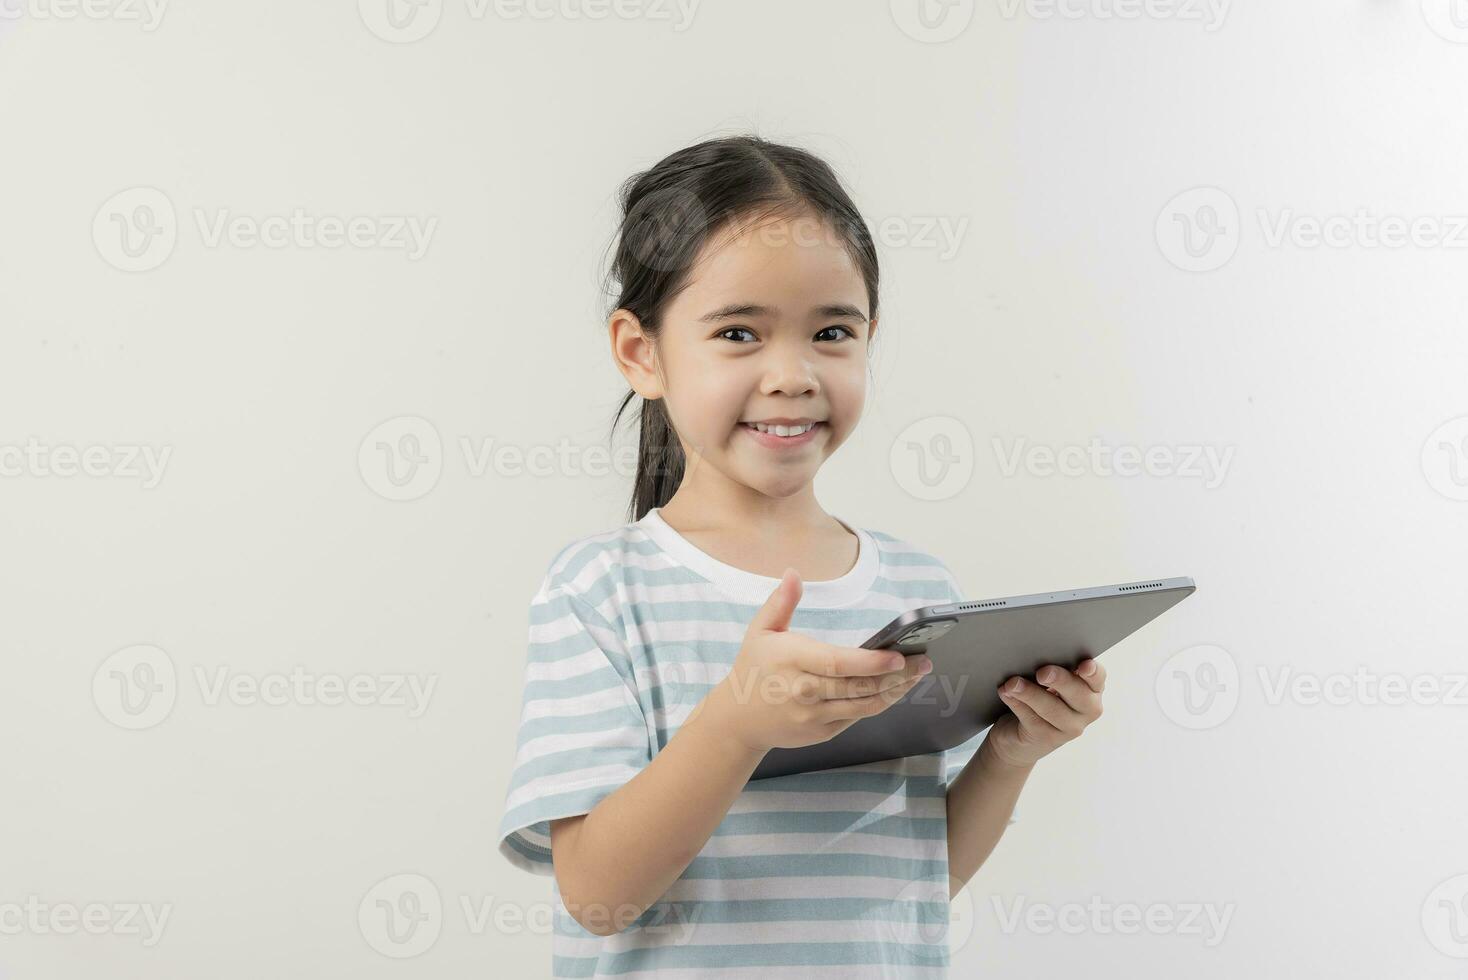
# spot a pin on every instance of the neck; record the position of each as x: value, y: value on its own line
x: 696, y: 506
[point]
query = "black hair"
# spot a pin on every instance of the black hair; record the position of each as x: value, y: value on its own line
x: 668, y: 212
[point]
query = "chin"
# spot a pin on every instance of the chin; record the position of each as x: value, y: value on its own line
x: 786, y: 486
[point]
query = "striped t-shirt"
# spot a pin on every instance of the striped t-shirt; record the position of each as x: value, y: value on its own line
x: 838, y: 873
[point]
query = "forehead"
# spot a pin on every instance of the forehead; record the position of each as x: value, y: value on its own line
x: 784, y: 261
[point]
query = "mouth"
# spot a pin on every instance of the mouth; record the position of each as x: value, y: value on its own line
x: 783, y: 436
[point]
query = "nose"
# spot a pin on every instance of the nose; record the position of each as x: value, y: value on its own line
x: 789, y: 372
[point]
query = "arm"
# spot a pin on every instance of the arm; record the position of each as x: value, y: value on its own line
x: 1045, y: 712
x: 980, y: 803
x: 616, y: 861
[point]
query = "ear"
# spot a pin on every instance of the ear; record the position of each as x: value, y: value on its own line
x: 634, y: 354
x: 871, y: 331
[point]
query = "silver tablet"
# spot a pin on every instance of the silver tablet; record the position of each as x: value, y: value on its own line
x: 976, y: 646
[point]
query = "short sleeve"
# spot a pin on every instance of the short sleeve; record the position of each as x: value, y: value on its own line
x: 582, y: 731
x: 955, y: 592
x: 956, y: 758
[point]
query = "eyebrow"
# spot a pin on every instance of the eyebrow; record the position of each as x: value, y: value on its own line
x: 836, y: 310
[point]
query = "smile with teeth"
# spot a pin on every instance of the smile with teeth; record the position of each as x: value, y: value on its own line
x: 784, y: 431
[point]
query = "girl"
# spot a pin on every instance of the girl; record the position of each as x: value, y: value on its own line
x: 668, y: 655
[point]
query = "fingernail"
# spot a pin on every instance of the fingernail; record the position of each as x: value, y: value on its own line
x: 925, y: 666
x: 1014, y: 686
x: 897, y: 661
x: 1049, y: 675
x: 1088, y: 668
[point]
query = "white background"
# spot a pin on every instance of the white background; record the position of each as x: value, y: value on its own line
x: 1330, y: 833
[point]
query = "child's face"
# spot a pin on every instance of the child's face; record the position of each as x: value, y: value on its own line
x: 802, y: 356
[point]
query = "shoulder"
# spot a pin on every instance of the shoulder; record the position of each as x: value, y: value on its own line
x: 897, y: 550
x: 594, y: 569
x: 908, y: 560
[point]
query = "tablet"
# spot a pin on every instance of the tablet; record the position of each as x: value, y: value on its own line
x: 976, y: 646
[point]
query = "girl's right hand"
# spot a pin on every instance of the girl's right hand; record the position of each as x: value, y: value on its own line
x: 786, y: 690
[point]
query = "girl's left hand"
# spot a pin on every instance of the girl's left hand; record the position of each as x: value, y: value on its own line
x: 1045, y: 715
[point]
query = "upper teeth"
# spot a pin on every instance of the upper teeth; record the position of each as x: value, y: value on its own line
x: 784, y: 430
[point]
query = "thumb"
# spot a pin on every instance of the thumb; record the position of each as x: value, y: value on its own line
x: 780, y: 606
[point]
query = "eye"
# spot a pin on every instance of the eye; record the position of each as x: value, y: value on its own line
x: 730, y: 330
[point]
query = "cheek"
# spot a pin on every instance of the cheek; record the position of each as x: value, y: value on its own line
x: 714, y: 403
x: 846, y: 390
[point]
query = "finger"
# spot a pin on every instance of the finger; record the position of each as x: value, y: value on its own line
x: 830, y: 660
x: 873, y: 704
x: 834, y: 728
x: 1047, y: 706
x: 1027, y: 716
x: 777, y: 610
x: 808, y: 688
x: 1091, y: 671
x: 858, y: 687
x: 1072, y: 690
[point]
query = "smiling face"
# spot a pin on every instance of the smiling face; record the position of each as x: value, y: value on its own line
x: 772, y: 327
